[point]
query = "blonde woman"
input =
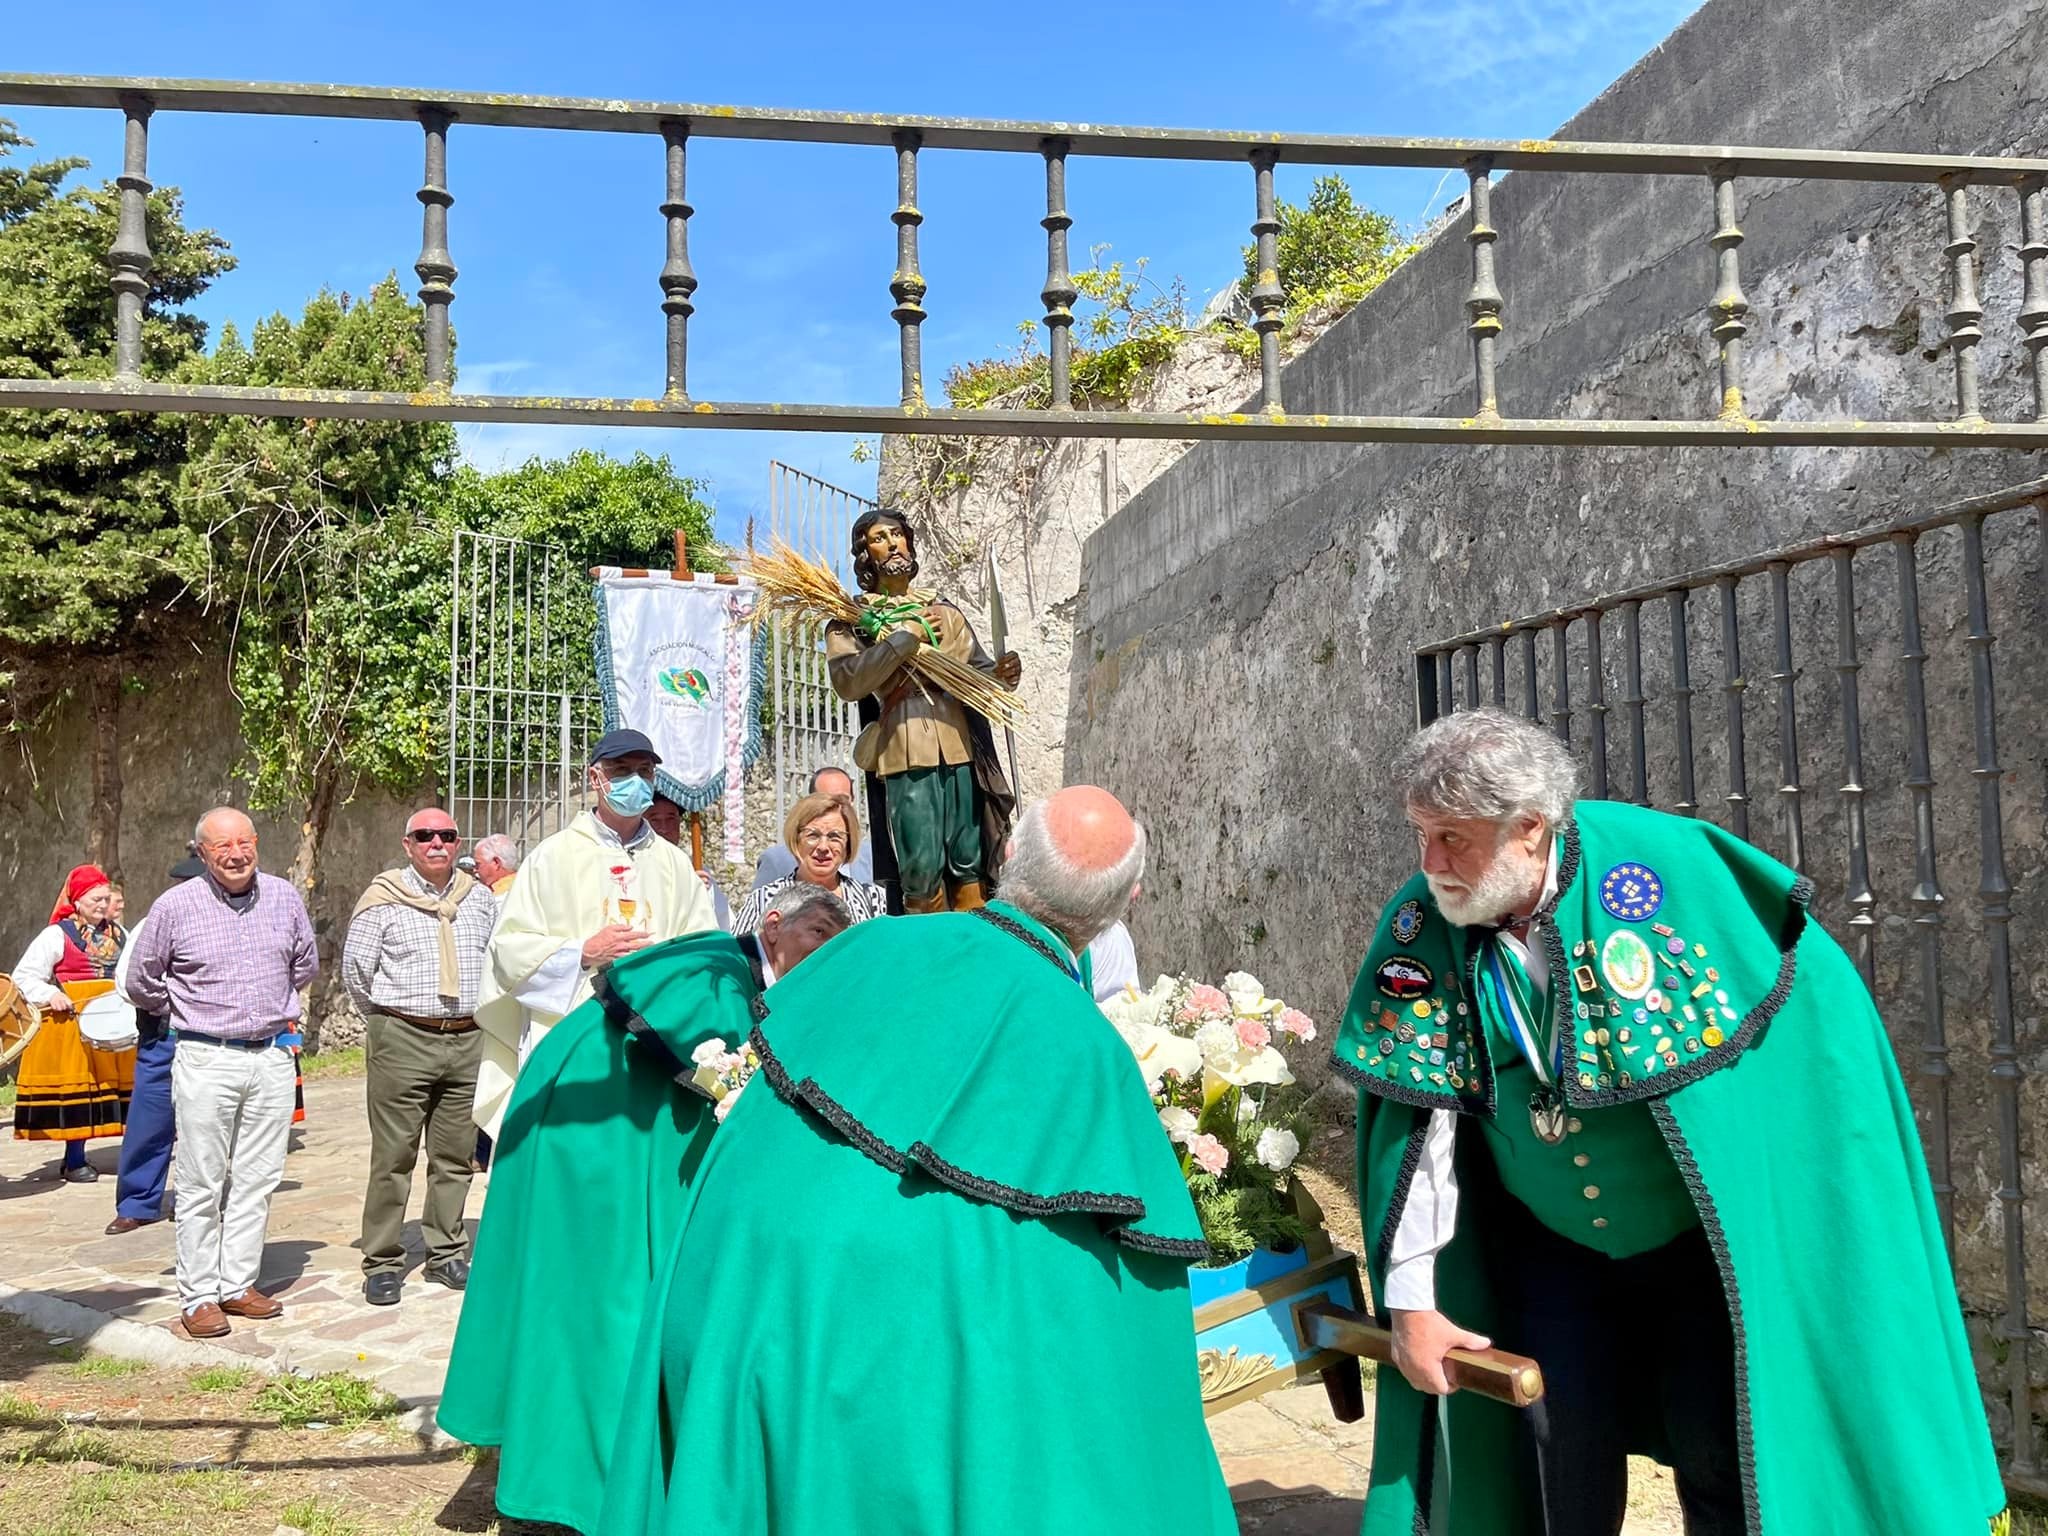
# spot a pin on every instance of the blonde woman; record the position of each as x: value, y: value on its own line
x: 823, y: 831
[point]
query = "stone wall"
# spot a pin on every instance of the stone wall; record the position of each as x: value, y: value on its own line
x: 1243, y: 659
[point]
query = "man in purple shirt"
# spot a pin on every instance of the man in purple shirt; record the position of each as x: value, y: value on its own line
x: 223, y: 958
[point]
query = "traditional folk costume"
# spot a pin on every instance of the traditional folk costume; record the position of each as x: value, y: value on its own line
x: 598, y: 1146
x: 930, y: 1275
x: 68, y: 1090
x: 939, y: 805
x: 1683, y: 1158
x: 571, y: 885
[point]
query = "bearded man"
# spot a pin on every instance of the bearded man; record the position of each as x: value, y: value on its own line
x: 1624, y: 1108
x: 938, y: 802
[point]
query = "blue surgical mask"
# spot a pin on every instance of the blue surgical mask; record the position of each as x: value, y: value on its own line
x: 630, y: 796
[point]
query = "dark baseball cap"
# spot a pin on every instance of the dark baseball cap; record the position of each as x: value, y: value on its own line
x: 622, y: 743
x: 187, y: 868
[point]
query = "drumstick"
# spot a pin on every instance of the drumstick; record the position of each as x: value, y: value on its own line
x: 1512, y: 1379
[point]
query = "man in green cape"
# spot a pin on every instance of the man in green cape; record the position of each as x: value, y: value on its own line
x: 1624, y: 1108
x: 931, y: 1280
x: 599, y: 1143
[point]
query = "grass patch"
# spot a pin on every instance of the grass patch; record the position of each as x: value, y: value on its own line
x: 17, y: 1412
x: 337, y: 1399
x: 222, y: 1378
x: 317, y: 1519
x: 7, y: 1094
x: 224, y: 1490
x: 107, y: 1368
x: 348, y: 1063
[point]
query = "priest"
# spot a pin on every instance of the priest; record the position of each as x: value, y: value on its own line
x: 1625, y: 1108
x: 932, y: 1272
x: 599, y: 889
x: 598, y: 1147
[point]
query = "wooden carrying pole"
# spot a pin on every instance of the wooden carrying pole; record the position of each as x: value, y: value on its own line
x: 1512, y: 1379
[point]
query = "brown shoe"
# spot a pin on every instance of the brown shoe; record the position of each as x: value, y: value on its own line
x: 968, y: 896
x: 206, y: 1321
x: 122, y: 1224
x: 252, y: 1303
x: 933, y: 903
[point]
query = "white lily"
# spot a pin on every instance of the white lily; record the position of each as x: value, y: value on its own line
x: 1159, y: 1051
x: 1247, y: 996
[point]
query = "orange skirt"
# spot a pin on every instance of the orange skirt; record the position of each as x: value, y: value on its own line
x: 67, y: 1090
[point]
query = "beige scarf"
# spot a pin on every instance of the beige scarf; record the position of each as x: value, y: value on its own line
x: 391, y: 889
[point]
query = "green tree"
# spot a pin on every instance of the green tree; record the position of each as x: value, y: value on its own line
x: 317, y: 552
x: 94, y: 551
x: 1332, y: 247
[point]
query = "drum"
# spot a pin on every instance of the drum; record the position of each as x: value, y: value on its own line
x: 19, y: 1020
x: 108, y: 1023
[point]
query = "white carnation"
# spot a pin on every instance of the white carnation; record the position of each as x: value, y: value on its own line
x: 708, y: 1052
x: 1179, y: 1123
x: 1247, y: 995
x: 1277, y: 1149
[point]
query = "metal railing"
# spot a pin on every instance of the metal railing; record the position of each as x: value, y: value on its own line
x: 1525, y: 657
x: 1719, y: 168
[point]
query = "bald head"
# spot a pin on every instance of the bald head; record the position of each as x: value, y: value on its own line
x: 226, y: 843
x: 1075, y: 862
x: 431, y: 844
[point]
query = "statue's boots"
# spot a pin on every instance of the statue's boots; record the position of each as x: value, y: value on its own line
x: 936, y: 902
x: 968, y: 895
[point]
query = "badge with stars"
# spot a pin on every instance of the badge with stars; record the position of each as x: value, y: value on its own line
x: 1407, y: 922
x: 1631, y: 892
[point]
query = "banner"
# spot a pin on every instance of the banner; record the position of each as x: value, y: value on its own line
x: 680, y: 661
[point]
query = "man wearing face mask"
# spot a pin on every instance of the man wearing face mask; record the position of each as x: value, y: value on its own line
x: 601, y: 888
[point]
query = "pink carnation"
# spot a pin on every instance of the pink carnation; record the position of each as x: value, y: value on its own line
x: 1209, y: 1153
x: 1298, y: 1024
x: 1253, y: 1035
x: 1204, y: 1000
x: 724, y: 1106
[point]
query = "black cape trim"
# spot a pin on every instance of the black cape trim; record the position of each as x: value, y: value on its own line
x: 1024, y: 935
x: 919, y: 1155
x: 622, y: 1013
x: 1404, y: 1182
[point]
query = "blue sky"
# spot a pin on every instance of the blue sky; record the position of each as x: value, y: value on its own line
x: 557, y: 237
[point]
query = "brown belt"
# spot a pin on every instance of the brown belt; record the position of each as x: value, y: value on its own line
x: 461, y: 1026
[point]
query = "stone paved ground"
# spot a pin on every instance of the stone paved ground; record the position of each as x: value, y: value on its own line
x: 1293, y: 1469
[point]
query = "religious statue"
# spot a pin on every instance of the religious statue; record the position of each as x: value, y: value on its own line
x: 939, y: 805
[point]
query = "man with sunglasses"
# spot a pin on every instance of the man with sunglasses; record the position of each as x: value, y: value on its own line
x: 414, y: 962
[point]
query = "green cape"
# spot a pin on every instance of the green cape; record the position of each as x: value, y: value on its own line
x: 932, y: 1276
x: 587, y: 1179
x: 1857, y: 1408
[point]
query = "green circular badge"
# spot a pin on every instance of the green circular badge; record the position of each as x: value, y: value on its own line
x: 1628, y: 965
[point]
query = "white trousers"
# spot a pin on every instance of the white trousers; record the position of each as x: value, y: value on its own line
x: 234, y: 1117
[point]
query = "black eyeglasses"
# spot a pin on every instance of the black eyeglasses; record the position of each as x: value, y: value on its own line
x: 436, y: 835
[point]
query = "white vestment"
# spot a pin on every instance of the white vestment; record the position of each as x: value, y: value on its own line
x: 569, y: 887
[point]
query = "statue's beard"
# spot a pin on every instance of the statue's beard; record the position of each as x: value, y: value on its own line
x: 1498, y: 893
x: 899, y: 565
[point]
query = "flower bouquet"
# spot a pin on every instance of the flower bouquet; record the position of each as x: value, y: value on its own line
x: 722, y: 1073
x: 1212, y: 1060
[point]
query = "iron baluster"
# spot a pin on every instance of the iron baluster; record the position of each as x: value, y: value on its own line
x: 1471, y: 654
x: 1995, y: 893
x: 1447, y: 697
x: 129, y: 256
x: 1268, y: 298
x: 907, y: 285
x: 1862, y: 901
x: 1532, y: 705
x: 1499, y: 647
x: 1732, y: 685
x: 678, y: 281
x: 2034, y: 300
x: 1965, y: 313
x: 436, y: 268
x: 1561, y: 680
x: 1730, y: 307
x: 1484, y: 301
x: 1428, y: 705
x: 1788, y: 721
x: 1596, y: 706
x: 1681, y: 700
x: 1632, y: 677
x: 1059, y: 293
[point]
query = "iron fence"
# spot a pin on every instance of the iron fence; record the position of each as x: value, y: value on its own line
x: 523, y: 703
x: 814, y: 727
x: 1887, y: 832
x: 1720, y: 170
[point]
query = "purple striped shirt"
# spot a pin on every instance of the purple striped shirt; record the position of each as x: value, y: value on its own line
x: 225, y: 972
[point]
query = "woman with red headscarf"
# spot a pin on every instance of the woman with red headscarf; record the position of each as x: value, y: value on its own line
x: 69, y: 1090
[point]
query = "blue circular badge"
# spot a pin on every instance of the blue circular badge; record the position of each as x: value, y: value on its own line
x: 1632, y: 892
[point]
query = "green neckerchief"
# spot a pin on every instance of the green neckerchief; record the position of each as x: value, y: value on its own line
x: 1536, y: 1026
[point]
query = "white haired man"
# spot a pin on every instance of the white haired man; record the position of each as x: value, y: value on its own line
x: 224, y: 959
x: 1625, y: 1109
x: 497, y: 862
x: 601, y: 1138
x: 879, y: 1202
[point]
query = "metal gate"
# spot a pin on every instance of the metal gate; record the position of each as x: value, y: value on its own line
x: 1919, y: 603
x: 523, y: 705
x: 814, y: 727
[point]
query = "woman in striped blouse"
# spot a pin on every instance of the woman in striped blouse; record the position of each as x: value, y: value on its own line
x: 823, y: 832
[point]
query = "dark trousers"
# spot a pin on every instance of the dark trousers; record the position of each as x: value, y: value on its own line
x: 146, y: 1143
x: 422, y: 1087
x: 935, y: 829
x: 1634, y: 1352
